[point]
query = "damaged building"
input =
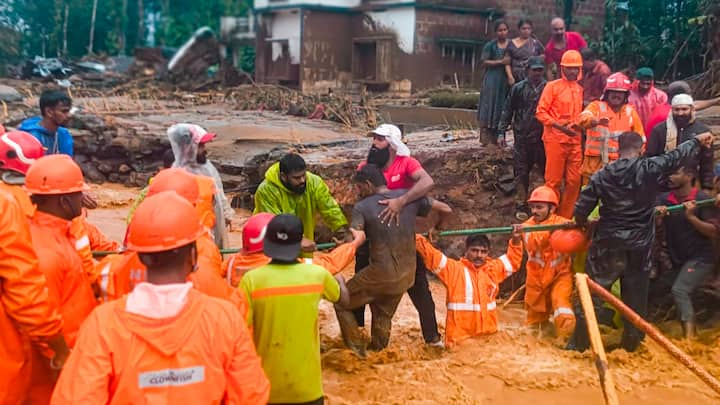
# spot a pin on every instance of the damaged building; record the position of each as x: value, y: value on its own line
x: 391, y: 45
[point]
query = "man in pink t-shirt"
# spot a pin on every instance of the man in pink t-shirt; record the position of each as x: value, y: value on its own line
x: 559, y: 42
x: 644, y: 96
x: 401, y: 172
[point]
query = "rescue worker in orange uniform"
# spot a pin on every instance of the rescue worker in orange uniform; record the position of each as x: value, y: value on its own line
x: 26, y: 314
x: 558, y: 109
x: 56, y: 185
x: 251, y: 256
x: 165, y: 342
x: 472, y: 283
x: 126, y: 271
x: 548, y: 287
x: 605, y: 120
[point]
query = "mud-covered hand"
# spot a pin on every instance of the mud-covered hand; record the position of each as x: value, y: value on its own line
x: 433, y: 234
x: 307, y: 245
x: 706, y: 139
x: 690, y: 207
x: 88, y: 201
x: 391, y: 214
x: 358, y: 237
x: 517, y: 230
x: 662, y: 211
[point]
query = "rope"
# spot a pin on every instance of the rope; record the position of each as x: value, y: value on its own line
x: 465, y: 232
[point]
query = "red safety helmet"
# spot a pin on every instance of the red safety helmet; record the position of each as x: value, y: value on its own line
x: 618, y: 82
x: 18, y: 150
x: 253, y: 232
x: 544, y: 194
x: 569, y: 241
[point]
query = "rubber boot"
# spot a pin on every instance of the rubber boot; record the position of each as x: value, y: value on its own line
x: 689, y: 329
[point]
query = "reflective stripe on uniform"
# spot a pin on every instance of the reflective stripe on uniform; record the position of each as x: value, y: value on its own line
x: 287, y: 290
x: 82, y: 242
x: 230, y: 269
x: 441, y: 265
x: 536, y: 259
x: 508, y: 266
x: 104, y: 280
x: 468, y: 305
x: 563, y: 311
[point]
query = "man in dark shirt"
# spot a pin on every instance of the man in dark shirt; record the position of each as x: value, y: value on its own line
x: 528, y: 149
x: 680, y: 126
x: 627, y: 190
x: 689, y: 240
x: 392, y: 258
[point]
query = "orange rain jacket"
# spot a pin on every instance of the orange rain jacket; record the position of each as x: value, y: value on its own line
x: 237, y: 265
x: 21, y: 196
x: 125, y: 358
x: 68, y: 284
x: 69, y: 289
x: 562, y: 102
x: 627, y: 119
x: 120, y: 273
x: 548, y: 287
x: 471, y: 291
x: 25, y: 308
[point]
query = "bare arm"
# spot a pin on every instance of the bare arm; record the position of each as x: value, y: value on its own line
x: 703, y: 104
x: 707, y: 229
x: 344, y: 300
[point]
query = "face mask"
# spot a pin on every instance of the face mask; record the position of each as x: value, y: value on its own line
x: 378, y: 157
x: 681, y: 120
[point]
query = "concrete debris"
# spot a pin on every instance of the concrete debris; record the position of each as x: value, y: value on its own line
x: 9, y: 94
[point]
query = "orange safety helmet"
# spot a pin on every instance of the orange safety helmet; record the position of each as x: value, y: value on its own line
x: 54, y: 174
x: 178, y: 180
x: 569, y: 241
x: 18, y: 150
x: 544, y: 194
x: 162, y: 222
x: 618, y: 82
x: 253, y: 232
x: 571, y: 59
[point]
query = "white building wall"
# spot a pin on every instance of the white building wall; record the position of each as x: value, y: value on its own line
x: 400, y: 20
x: 260, y: 4
x: 286, y: 24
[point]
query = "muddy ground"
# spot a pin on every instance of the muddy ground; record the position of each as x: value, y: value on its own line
x: 514, y: 366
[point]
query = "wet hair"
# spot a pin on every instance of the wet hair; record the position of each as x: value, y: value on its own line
x: 370, y: 173
x: 678, y: 87
x: 524, y: 21
x: 588, y: 54
x: 166, y: 261
x: 477, y: 240
x: 629, y: 141
x: 687, y: 166
x: 292, y: 163
x: 168, y: 159
x: 51, y: 98
x: 500, y: 23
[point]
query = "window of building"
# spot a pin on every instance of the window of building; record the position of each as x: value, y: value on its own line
x: 460, y: 53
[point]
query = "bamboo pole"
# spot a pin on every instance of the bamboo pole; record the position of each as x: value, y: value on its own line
x: 606, y: 379
x: 655, y: 334
x: 513, y: 296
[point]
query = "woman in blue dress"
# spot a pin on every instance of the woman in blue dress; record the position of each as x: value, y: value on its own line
x: 495, y: 83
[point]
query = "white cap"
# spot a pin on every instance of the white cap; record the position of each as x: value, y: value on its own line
x: 198, y: 133
x: 682, y: 99
x: 394, y: 137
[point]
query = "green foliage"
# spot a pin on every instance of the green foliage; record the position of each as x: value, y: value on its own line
x: 653, y: 32
x: 39, y: 23
x: 452, y: 99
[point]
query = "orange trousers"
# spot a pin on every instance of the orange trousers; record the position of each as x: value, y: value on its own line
x: 590, y: 165
x: 564, y: 161
x: 558, y: 306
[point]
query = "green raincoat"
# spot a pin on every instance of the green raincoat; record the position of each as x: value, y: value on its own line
x: 272, y: 196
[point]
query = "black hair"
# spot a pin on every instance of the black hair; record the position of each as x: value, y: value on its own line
x: 51, y: 98
x: 168, y: 158
x: 588, y: 54
x: 292, y: 163
x: 689, y: 167
x: 498, y: 23
x: 370, y: 173
x: 630, y: 141
x: 477, y: 240
x: 166, y: 261
x: 524, y: 21
x: 677, y: 87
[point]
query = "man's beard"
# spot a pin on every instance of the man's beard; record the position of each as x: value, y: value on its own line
x: 299, y: 189
x: 378, y: 157
x: 201, y: 158
x: 681, y: 121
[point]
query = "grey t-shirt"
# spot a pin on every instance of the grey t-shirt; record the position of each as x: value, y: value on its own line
x: 392, y: 247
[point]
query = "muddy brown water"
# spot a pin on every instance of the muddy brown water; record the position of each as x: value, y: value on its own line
x: 513, y: 366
